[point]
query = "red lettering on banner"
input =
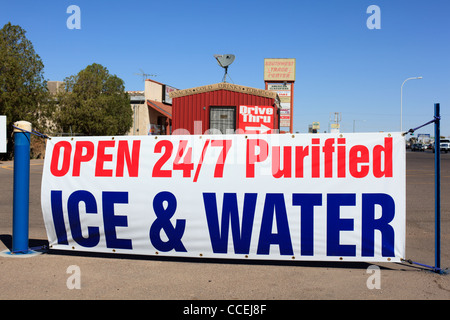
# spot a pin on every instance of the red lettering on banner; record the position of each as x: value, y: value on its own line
x: 287, y: 162
x: 300, y: 153
x: 253, y: 157
x: 321, y: 158
x: 183, y: 158
x: 123, y: 154
x: 328, y: 159
x: 341, y: 157
x: 328, y: 150
x: 358, y: 156
x: 315, y: 158
x: 157, y: 169
x: 103, y: 157
x: 104, y: 152
x: 80, y: 157
x: 66, y: 147
x: 377, y: 159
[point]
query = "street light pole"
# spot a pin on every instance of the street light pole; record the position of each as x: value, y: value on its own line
x: 401, y: 101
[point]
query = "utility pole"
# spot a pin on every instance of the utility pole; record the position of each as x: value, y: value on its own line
x: 335, y: 118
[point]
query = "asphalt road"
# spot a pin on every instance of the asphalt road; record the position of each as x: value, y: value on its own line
x: 48, y: 276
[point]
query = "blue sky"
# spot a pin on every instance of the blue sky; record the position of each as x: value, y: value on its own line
x: 342, y: 66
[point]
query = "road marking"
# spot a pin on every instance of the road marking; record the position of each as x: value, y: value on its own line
x: 11, y: 166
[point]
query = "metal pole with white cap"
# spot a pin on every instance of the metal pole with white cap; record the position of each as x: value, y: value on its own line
x: 21, y: 196
x: 21, y: 193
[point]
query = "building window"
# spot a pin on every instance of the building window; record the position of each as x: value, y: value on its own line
x: 222, y: 119
x: 162, y: 125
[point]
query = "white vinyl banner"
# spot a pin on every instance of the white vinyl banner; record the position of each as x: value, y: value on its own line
x: 333, y: 197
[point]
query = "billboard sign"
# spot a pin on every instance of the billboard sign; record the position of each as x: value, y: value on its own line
x: 284, y: 91
x: 166, y: 93
x: 279, y: 69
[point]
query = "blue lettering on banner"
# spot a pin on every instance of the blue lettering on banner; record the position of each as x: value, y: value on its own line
x: 239, y: 220
x: 335, y: 224
x: 275, y: 209
x: 275, y: 204
x: 230, y: 215
x: 370, y: 224
x: 162, y: 222
x: 74, y: 218
x: 110, y: 220
x: 58, y: 218
x: 307, y: 203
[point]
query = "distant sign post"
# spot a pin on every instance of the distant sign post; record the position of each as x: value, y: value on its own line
x: 2, y: 134
x: 279, y: 76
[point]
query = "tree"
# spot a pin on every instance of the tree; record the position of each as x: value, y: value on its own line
x: 94, y: 103
x: 23, y: 90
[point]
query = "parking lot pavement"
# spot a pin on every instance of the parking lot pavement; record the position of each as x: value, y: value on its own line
x: 48, y: 276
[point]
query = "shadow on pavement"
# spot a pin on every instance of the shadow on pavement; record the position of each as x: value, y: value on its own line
x: 40, y: 243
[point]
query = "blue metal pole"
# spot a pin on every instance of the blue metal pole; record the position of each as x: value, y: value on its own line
x: 21, y: 188
x: 437, y: 186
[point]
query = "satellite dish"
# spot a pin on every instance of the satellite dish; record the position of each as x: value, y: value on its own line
x: 224, y: 60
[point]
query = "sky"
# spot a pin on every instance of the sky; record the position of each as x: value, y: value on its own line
x: 341, y: 65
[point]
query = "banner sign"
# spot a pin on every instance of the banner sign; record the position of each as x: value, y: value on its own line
x: 333, y: 197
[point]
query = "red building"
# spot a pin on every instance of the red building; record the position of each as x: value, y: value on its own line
x: 225, y: 107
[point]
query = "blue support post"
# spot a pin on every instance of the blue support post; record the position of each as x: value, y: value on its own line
x: 21, y: 187
x: 437, y: 192
x: 21, y: 196
x: 437, y: 186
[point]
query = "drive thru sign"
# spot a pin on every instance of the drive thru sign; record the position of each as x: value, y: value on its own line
x: 256, y: 119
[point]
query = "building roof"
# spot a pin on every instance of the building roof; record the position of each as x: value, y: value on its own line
x: 136, y: 97
x: 224, y: 86
x: 155, y: 81
x: 162, y: 108
x: 55, y: 86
